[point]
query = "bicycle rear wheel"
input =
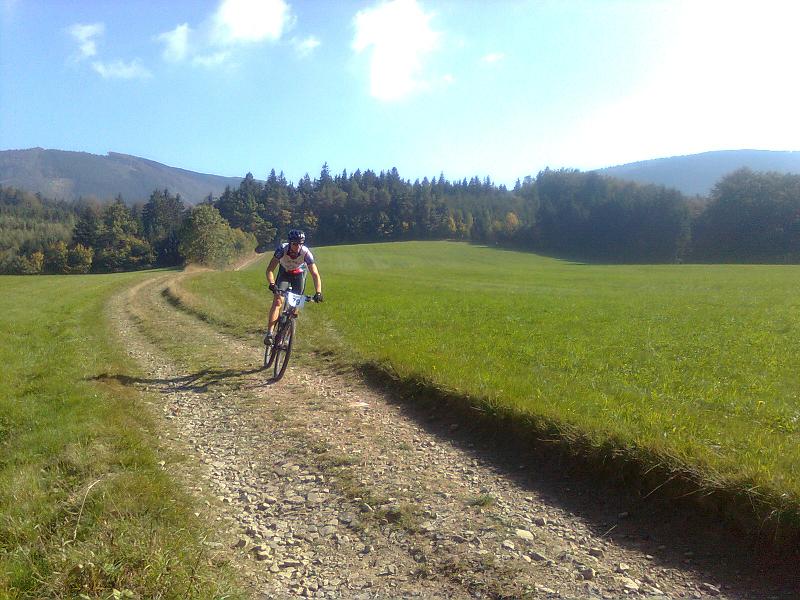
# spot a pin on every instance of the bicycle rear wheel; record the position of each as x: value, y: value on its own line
x: 283, y: 348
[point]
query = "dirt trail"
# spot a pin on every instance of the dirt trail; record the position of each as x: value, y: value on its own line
x: 245, y: 262
x: 327, y: 488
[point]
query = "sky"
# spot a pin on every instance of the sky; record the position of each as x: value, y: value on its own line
x: 501, y: 88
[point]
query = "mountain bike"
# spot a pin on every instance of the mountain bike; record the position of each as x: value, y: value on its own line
x: 277, y: 354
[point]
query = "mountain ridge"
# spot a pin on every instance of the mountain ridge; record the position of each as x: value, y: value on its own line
x: 696, y: 174
x: 69, y: 175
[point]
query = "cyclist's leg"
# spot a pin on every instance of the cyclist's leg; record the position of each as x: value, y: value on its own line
x: 281, y: 283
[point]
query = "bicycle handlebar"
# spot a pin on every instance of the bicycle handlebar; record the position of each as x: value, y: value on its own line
x: 284, y: 292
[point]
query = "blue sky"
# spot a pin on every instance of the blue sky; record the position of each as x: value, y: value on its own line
x: 465, y: 87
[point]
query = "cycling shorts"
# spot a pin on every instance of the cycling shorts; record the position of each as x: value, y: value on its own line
x: 295, y: 282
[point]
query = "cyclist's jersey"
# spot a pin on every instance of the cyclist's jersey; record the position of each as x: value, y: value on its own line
x: 295, y: 265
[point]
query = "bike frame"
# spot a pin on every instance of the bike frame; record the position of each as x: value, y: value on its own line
x: 282, y: 345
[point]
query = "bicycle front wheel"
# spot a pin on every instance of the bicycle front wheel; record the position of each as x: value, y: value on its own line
x: 269, y: 355
x: 283, y: 348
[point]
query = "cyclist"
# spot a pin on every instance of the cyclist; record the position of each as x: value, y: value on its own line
x: 292, y: 259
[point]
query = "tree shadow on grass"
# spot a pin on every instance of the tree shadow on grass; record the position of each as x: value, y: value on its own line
x: 199, y: 382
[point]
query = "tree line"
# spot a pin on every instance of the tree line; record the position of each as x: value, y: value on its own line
x: 748, y: 217
x: 45, y: 236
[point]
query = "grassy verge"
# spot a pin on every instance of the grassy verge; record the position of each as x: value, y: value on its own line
x: 85, y: 508
x: 689, y: 371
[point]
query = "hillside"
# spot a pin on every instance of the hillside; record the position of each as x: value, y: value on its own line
x: 65, y: 175
x: 697, y: 173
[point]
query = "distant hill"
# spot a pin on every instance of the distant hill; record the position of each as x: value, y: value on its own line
x: 63, y: 175
x: 697, y: 173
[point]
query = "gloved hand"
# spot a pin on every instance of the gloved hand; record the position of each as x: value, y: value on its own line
x: 317, y: 297
x: 273, y: 288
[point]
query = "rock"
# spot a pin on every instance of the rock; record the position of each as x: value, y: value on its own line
x: 653, y: 590
x: 540, y: 589
x: 588, y: 573
x: 540, y: 521
x: 290, y: 563
x: 508, y: 545
x: 623, y: 567
x: 596, y: 552
x: 710, y: 589
x: 538, y: 556
x: 524, y: 534
x: 565, y: 556
x: 629, y: 584
x: 427, y: 527
x: 315, y: 498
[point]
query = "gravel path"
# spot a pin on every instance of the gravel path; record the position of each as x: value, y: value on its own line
x: 325, y: 487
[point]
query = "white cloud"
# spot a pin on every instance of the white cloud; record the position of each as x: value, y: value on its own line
x: 239, y: 21
x: 121, y: 70
x: 176, y: 43
x: 493, y: 58
x: 212, y: 60
x: 85, y: 36
x: 234, y: 23
x: 306, y: 46
x: 400, y: 36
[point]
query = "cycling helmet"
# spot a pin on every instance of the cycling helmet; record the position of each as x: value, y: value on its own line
x: 296, y: 235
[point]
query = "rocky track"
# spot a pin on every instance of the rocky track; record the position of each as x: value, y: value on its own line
x: 324, y: 487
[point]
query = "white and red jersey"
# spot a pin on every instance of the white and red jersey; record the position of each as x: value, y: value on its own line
x: 294, y: 264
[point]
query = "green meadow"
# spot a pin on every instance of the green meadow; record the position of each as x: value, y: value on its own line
x: 691, y: 368
x: 86, y: 511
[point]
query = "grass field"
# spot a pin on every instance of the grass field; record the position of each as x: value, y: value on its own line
x: 691, y: 367
x: 85, y: 509
x: 694, y: 368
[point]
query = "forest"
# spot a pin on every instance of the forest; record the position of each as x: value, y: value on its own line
x: 749, y: 216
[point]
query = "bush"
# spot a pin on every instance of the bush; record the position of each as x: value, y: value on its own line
x: 207, y: 239
x: 128, y: 253
x: 79, y: 259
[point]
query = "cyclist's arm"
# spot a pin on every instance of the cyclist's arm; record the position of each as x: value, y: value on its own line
x: 315, y: 276
x: 271, y: 270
